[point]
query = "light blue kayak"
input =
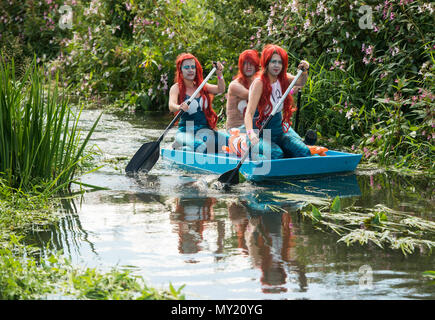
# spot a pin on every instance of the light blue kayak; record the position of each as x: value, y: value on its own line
x: 333, y: 162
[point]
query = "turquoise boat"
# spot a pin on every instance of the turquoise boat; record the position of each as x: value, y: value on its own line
x: 333, y: 162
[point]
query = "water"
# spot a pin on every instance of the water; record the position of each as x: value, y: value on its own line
x: 173, y: 226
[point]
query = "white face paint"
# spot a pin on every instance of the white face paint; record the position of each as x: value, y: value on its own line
x: 248, y: 69
x: 188, y: 68
x: 275, y: 65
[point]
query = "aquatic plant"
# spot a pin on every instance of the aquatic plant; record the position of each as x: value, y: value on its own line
x: 430, y: 274
x: 40, y: 142
x: 379, y: 225
x: 22, y: 212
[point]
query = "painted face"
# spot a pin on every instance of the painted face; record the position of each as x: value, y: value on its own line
x: 275, y: 65
x: 188, y: 69
x: 248, y: 69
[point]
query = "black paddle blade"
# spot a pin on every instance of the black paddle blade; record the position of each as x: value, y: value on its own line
x: 145, y: 158
x: 230, y: 177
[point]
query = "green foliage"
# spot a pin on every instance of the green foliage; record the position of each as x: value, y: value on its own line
x: 336, y: 205
x: 40, y: 142
x: 379, y: 225
x: 370, y: 88
x: 22, y: 212
x: 126, y: 51
x: 35, y: 25
x: 26, y: 278
x: 430, y: 274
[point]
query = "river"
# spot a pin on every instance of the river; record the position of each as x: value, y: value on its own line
x: 173, y: 226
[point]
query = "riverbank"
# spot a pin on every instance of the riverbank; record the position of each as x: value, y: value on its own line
x: 27, y: 274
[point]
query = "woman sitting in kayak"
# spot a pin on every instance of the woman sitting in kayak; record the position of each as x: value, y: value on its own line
x: 264, y: 93
x: 196, y: 127
x: 238, y: 90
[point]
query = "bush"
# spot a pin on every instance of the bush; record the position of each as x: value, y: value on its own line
x: 371, y: 85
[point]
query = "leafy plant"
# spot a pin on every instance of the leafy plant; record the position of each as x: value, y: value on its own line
x: 40, y: 140
x: 24, y: 277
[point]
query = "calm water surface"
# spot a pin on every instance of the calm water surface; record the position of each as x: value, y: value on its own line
x: 173, y: 226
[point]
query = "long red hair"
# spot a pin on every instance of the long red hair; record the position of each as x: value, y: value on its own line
x: 288, y: 106
x: 252, y: 57
x: 210, y: 114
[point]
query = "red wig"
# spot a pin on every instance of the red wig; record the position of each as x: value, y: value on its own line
x: 210, y: 114
x: 288, y: 107
x: 252, y: 57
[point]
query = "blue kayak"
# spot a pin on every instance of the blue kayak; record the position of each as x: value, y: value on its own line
x: 333, y: 162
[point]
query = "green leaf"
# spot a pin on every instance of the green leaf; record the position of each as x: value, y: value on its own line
x: 316, y: 214
x: 430, y: 274
x: 336, y: 205
x: 241, y: 178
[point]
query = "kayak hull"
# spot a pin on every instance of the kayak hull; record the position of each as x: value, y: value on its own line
x: 333, y: 162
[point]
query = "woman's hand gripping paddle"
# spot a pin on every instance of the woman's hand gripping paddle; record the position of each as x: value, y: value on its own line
x: 148, y: 154
x: 231, y: 177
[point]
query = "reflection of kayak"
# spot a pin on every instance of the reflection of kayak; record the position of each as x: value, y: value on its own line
x: 333, y: 162
x: 296, y: 194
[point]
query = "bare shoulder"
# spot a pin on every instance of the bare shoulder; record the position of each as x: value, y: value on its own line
x: 174, y: 88
x: 257, y: 84
x: 235, y: 84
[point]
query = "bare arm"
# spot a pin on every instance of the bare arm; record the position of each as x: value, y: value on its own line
x: 220, y: 87
x: 173, y: 99
x: 302, y: 79
x: 254, y: 98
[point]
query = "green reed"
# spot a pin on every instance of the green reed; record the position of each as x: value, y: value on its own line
x: 40, y: 142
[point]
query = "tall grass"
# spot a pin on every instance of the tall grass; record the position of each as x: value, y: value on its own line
x: 40, y: 142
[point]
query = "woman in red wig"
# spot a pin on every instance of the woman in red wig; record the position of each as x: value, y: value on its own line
x: 264, y: 93
x: 197, y: 125
x: 238, y: 90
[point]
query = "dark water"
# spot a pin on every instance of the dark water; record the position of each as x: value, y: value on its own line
x: 172, y: 226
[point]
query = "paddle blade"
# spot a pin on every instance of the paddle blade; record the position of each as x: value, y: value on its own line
x: 230, y: 177
x: 145, y: 158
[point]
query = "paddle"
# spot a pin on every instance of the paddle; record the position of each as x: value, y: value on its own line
x: 298, y: 105
x: 231, y: 177
x: 148, y: 154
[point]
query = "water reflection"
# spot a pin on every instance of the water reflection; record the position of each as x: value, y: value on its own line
x: 190, y: 216
x: 267, y: 239
x: 67, y: 236
x: 271, y: 242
